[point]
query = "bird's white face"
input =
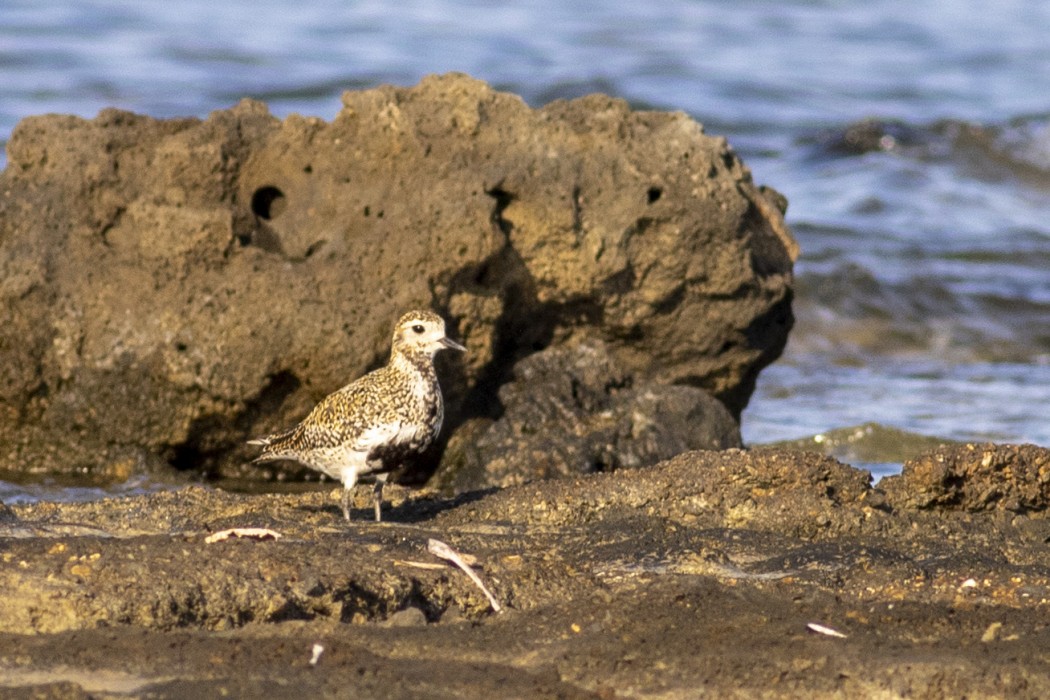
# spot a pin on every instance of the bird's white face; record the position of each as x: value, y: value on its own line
x: 423, y: 331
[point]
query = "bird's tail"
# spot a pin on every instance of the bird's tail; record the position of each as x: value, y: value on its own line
x: 270, y: 445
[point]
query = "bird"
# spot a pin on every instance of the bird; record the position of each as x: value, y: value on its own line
x: 370, y: 425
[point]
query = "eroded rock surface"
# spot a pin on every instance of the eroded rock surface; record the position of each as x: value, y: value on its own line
x: 971, y: 477
x: 170, y: 287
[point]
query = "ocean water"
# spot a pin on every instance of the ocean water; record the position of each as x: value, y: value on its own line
x: 911, y: 139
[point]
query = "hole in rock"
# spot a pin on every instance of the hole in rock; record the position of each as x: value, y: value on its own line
x: 268, y: 202
x: 654, y: 194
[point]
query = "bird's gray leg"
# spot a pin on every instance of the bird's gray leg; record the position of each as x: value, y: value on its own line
x: 377, y: 493
x: 349, y: 478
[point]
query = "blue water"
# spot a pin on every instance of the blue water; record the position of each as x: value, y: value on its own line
x: 924, y: 288
x: 72, y: 490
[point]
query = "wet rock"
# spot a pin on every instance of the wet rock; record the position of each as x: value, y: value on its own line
x: 572, y: 410
x: 171, y: 287
x: 409, y: 617
x: 867, y: 442
x: 870, y: 135
x: 972, y: 477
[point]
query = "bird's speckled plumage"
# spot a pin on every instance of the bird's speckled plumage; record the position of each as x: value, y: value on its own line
x: 372, y: 424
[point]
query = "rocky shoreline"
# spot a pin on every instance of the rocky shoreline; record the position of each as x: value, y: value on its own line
x: 169, y: 288
x: 721, y: 574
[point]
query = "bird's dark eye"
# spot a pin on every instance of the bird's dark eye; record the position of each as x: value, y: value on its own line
x: 418, y: 328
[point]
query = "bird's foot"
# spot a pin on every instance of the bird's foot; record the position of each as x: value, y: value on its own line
x: 377, y: 495
x: 346, y: 504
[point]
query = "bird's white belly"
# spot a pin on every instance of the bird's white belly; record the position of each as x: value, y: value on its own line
x: 340, y: 463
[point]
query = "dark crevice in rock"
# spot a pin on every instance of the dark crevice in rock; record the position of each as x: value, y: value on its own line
x: 111, y: 224
x: 620, y: 282
x: 729, y: 160
x: 503, y: 200
x: 521, y: 329
x: 639, y: 227
x: 778, y: 319
x: 261, y: 235
x: 198, y: 453
x: 36, y: 399
x: 293, y: 610
x: 268, y: 202
x: 773, y: 249
x: 255, y: 228
x: 314, y: 247
x: 211, y: 437
x: 280, y: 386
x: 361, y: 602
x: 670, y: 302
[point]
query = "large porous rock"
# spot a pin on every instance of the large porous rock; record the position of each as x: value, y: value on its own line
x: 572, y: 410
x: 170, y: 287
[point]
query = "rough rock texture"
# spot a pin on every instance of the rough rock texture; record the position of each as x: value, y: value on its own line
x: 975, y: 477
x: 573, y: 410
x: 169, y: 287
x: 699, y: 576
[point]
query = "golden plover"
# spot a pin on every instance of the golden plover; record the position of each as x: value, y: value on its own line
x: 371, y: 424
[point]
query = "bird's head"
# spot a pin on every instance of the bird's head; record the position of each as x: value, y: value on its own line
x: 422, y: 331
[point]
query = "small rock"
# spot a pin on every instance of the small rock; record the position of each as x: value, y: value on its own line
x: 409, y: 617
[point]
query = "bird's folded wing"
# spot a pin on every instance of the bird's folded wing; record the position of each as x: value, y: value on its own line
x: 376, y: 436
